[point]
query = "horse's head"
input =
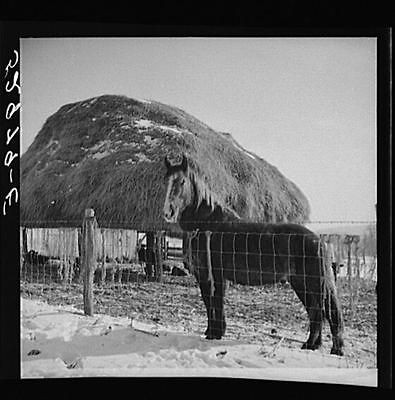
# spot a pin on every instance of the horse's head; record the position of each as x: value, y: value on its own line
x: 179, y: 194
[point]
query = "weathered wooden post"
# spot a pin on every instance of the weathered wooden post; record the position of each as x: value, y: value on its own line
x: 356, y: 240
x: 65, y: 256
x: 79, y: 239
x: 89, y: 254
x: 357, y: 282
x: 103, y: 249
x: 158, y: 258
x: 165, y: 248
x: 348, y: 241
x: 149, y: 254
x: 23, y: 249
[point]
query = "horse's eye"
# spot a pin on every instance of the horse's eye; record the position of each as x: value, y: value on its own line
x: 182, y: 182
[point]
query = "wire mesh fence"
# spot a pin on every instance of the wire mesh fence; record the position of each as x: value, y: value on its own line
x: 238, y: 263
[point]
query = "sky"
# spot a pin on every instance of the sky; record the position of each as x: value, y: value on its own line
x: 305, y: 105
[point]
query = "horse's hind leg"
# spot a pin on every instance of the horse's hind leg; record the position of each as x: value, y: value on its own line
x: 311, y: 300
x: 334, y: 315
x: 314, y: 311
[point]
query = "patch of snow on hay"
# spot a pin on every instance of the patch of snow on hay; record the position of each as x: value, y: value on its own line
x: 133, y: 145
x: 174, y: 130
x: 151, y: 141
x: 100, y: 155
x: 250, y: 155
x: 143, y: 123
x: 169, y: 128
x: 244, y: 151
x: 51, y: 142
x: 143, y: 101
x: 99, y: 145
x: 52, y: 146
x: 142, y: 157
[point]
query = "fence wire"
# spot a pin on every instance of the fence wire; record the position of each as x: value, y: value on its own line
x: 243, y: 262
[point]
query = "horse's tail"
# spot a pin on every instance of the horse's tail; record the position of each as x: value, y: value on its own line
x: 327, y: 279
x: 330, y: 301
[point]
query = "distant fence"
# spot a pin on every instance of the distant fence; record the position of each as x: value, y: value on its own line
x: 354, y: 257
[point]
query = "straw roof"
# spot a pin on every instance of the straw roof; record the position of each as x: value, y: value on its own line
x: 107, y: 153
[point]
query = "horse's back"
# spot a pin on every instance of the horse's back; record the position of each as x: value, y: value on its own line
x: 256, y: 238
x: 255, y: 254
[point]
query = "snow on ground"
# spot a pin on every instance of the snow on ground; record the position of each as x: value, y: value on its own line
x: 59, y: 341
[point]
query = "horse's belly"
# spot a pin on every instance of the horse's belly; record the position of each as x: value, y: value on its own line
x: 256, y: 278
x: 254, y: 272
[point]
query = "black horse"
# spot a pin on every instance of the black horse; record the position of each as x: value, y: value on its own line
x: 222, y: 247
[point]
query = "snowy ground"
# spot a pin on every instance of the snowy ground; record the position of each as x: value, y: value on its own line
x: 59, y: 341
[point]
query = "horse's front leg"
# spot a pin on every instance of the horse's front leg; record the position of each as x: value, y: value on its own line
x: 215, y: 310
x: 208, y: 302
x: 212, y: 288
x: 219, y: 313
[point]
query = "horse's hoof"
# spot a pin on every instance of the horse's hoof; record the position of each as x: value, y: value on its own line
x: 308, y: 346
x: 213, y: 336
x: 318, y: 343
x: 337, y: 352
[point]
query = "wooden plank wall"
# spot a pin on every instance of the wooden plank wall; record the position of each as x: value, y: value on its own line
x: 63, y: 242
x: 54, y: 242
x: 118, y: 243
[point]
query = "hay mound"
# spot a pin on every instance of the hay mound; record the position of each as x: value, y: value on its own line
x: 107, y: 153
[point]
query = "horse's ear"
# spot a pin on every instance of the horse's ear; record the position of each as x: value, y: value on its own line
x: 167, y: 163
x: 184, y: 163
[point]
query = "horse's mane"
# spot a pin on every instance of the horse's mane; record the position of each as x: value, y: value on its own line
x: 205, y: 197
x: 202, y: 191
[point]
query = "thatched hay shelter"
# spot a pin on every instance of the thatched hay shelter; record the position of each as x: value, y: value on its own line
x: 107, y: 153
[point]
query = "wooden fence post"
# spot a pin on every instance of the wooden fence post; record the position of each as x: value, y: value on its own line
x: 158, y: 253
x: 348, y: 241
x: 103, y: 249
x: 23, y: 248
x: 150, y: 254
x: 88, y: 258
x: 24, y: 241
x: 165, y: 248
x: 65, y: 260
x: 356, y: 240
x: 79, y: 239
